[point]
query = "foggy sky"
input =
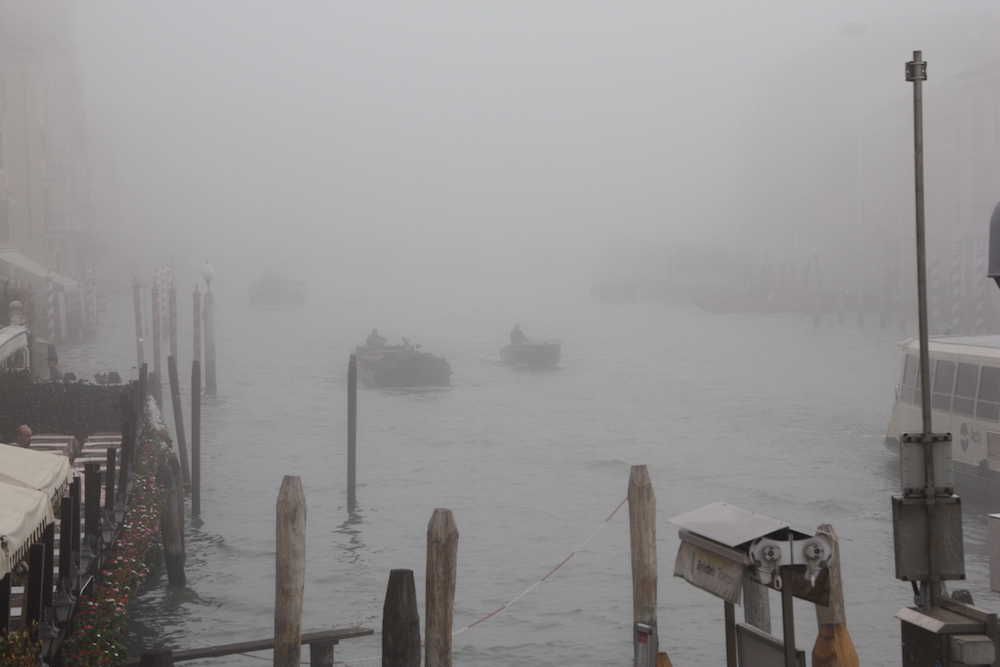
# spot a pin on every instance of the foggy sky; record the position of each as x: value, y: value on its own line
x: 487, y: 141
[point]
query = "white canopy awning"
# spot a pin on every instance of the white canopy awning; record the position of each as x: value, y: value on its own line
x: 11, y: 256
x: 42, y: 471
x: 13, y: 339
x: 24, y: 514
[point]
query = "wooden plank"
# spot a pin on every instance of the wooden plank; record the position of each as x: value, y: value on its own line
x: 262, y: 645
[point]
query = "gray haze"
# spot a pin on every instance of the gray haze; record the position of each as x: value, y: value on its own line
x: 508, y: 143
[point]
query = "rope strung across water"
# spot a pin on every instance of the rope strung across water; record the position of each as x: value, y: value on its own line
x: 551, y: 572
x: 497, y: 611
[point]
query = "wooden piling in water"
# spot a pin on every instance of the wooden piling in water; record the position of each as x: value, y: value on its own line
x: 209, y: 317
x: 175, y: 396
x: 179, y: 495
x: 833, y: 647
x: 290, y: 572
x: 642, y: 528
x: 352, y: 432
x: 195, y: 437
x: 109, y: 480
x: 442, y: 557
x: 196, y: 298
x: 49, y: 540
x: 400, y: 622
x: 31, y: 606
x: 156, y: 324
x: 171, y: 528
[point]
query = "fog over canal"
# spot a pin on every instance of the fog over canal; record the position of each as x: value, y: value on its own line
x: 444, y: 170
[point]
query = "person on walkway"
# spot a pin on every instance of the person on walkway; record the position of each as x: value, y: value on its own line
x: 374, y: 341
x: 517, y: 336
x: 22, y: 436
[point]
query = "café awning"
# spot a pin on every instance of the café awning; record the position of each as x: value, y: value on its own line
x: 41, y: 471
x: 24, y: 514
x: 13, y: 339
x: 13, y: 258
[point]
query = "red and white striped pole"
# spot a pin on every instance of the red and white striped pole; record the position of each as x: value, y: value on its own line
x: 137, y: 299
x: 50, y: 309
x: 155, y: 294
x: 88, y: 295
x: 166, y: 279
x: 172, y: 303
x: 93, y: 302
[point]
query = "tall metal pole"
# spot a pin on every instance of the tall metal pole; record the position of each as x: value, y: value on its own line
x: 916, y: 71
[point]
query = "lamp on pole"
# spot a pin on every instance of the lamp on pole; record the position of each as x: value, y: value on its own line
x: 208, y: 273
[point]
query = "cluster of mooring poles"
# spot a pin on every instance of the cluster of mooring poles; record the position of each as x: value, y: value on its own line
x: 163, y: 323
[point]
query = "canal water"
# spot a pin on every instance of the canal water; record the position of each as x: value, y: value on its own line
x: 766, y: 412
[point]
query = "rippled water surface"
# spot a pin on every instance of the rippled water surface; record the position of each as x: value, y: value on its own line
x: 764, y: 412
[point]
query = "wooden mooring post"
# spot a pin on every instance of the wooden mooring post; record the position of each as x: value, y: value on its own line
x: 400, y: 622
x: 442, y: 557
x: 642, y: 528
x: 209, y: 317
x: 195, y: 437
x: 833, y: 647
x: 290, y: 572
x: 352, y: 433
x: 171, y: 527
x: 175, y: 396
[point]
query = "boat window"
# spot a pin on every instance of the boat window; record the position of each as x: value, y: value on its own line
x: 911, y: 378
x: 943, y: 383
x: 965, y: 389
x: 988, y: 406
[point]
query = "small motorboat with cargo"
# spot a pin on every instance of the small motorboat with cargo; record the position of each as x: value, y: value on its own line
x: 400, y: 366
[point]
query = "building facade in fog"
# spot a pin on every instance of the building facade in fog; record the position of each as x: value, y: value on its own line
x: 47, y: 235
x: 44, y: 193
x: 830, y: 170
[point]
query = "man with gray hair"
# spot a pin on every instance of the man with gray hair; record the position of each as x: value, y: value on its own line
x: 22, y: 436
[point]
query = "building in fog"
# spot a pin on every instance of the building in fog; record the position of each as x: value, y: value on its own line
x: 830, y: 169
x: 46, y: 225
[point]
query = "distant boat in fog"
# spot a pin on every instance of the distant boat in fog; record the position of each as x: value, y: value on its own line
x: 536, y: 353
x: 272, y: 290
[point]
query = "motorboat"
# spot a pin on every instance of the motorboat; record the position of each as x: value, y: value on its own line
x: 538, y: 353
x: 275, y: 290
x: 401, y: 366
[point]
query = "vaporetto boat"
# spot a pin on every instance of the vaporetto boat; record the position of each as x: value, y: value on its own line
x: 965, y: 401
